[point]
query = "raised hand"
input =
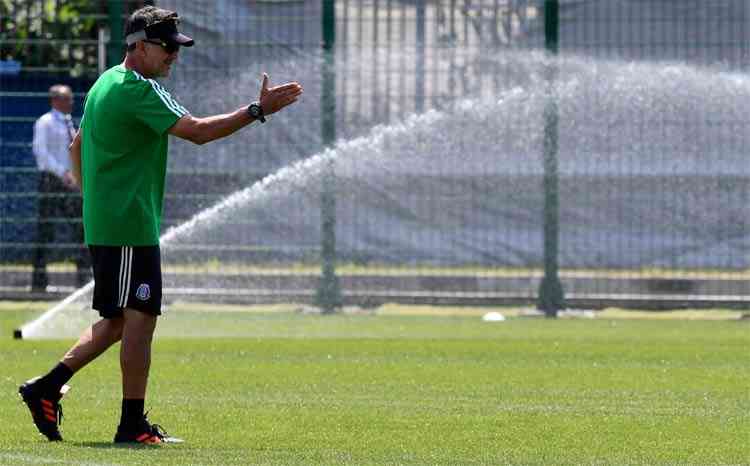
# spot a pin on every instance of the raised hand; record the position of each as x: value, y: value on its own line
x: 273, y: 99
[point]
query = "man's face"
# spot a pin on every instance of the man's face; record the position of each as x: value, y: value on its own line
x: 63, y: 102
x: 157, y: 60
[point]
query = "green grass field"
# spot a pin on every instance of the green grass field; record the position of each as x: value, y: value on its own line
x: 405, y: 389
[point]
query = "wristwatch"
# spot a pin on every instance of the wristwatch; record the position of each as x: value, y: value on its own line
x: 256, y: 111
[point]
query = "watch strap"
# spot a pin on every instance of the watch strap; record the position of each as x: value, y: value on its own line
x: 256, y: 111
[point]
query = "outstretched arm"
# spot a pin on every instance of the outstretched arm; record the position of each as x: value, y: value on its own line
x: 203, y: 130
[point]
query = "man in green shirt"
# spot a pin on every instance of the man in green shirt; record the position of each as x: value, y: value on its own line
x: 119, y: 159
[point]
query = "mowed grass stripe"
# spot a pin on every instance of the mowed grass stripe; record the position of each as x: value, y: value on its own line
x: 417, y: 390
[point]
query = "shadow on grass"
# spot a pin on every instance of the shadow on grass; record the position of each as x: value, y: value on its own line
x: 116, y: 446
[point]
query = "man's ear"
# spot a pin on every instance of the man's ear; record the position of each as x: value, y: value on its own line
x: 140, y: 47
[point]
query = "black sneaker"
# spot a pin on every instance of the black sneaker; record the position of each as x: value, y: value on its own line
x: 145, y: 433
x: 45, y: 409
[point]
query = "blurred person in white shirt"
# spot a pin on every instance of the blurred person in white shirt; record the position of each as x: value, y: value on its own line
x: 59, y: 197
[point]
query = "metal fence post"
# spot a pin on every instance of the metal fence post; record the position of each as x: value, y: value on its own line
x: 420, y: 65
x: 328, y: 296
x: 551, y: 295
x: 115, y: 9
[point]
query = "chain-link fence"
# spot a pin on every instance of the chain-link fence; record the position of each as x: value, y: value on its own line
x: 439, y: 153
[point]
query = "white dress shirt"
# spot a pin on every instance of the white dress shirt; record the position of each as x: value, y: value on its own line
x: 53, y: 133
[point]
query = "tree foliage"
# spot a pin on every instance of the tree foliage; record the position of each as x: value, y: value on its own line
x: 55, y: 35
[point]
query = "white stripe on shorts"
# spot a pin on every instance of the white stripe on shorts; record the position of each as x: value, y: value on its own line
x: 119, y: 283
x: 126, y: 265
x: 127, y: 283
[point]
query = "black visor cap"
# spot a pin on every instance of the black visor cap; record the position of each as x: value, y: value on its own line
x: 167, y: 32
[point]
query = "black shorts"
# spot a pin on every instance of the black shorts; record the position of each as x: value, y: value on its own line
x: 126, y: 276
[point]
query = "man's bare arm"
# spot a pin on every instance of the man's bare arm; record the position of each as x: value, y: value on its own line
x: 203, y: 130
x: 75, y: 158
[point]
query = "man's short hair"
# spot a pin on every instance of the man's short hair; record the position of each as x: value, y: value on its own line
x: 146, y: 16
x: 60, y: 90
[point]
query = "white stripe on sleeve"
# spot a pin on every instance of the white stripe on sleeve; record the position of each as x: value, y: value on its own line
x: 165, y: 97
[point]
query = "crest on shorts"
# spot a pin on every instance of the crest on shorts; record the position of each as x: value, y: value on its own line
x: 143, y: 292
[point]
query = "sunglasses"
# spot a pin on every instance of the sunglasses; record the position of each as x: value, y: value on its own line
x: 169, y: 48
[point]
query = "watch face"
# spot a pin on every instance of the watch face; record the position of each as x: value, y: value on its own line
x: 254, y: 110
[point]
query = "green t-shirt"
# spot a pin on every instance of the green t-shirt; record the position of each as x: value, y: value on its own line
x: 124, y: 158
